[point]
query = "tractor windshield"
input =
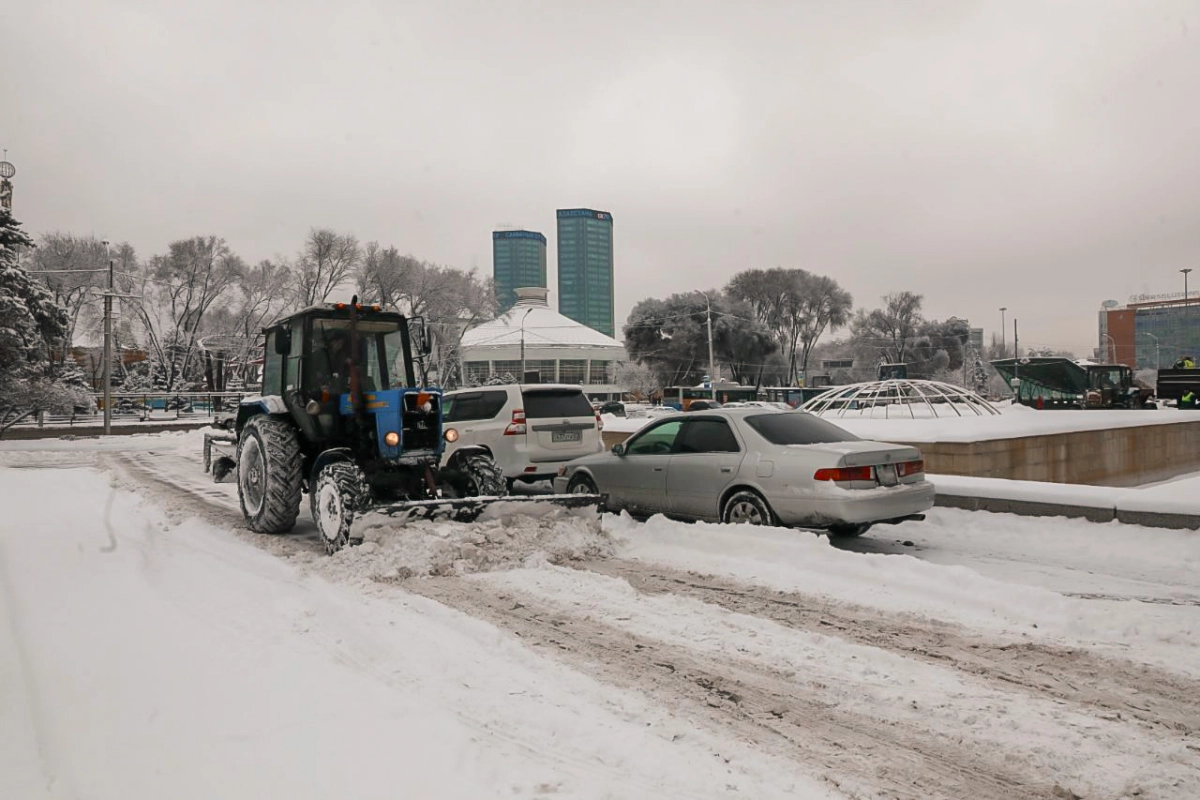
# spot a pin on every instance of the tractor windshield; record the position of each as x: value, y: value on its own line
x: 379, y: 344
x: 1103, y: 378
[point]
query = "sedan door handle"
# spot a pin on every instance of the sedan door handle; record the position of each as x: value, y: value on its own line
x: 726, y: 469
x: 658, y: 469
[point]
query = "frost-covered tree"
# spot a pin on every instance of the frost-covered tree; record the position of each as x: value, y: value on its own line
x: 796, y: 306
x: 31, y: 323
x: 176, y: 293
x: 671, y: 337
x: 887, y: 334
x: 326, y: 262
x: 638, y: 379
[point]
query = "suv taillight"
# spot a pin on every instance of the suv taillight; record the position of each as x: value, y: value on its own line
x: 599, y: 422
x: 517, y: 426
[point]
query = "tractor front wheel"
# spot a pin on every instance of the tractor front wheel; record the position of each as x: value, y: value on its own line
x: 268, y: 467
x: 338, y: 494
x: 484, y: 477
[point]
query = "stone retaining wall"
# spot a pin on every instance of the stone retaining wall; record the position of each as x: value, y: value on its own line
x: 1112, y: 457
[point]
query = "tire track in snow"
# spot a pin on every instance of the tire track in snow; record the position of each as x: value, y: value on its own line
x: 747, y: 701
x: 1077, y: 676
x: 744, y: 698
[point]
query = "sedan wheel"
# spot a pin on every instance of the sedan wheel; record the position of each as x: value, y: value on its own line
x: 747, y: 507
x: 582, y: 484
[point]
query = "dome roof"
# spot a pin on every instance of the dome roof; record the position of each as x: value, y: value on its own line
x: 543, y: 327
x: 900, y: 398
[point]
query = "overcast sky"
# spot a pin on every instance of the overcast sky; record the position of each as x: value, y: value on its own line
x: 1043, y: 156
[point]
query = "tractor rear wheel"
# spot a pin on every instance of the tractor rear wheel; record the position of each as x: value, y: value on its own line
x: 338, y: 494
x: 268, y: 465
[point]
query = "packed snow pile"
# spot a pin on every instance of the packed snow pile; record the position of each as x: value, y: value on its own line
x: 496, y: 541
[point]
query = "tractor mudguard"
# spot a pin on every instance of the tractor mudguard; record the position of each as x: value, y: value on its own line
x: 461, y: 453
x: 328, y: 457
x: 271, y: 405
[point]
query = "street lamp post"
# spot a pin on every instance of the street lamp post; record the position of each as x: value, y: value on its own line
x: 526, y: 314
x: 712, y: 373
x: 108, y: 355
x: 1003, y: 340
x: 1157, y: 360
x: 1185, y: 272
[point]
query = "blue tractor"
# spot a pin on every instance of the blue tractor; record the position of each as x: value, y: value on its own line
x: 345, y: 417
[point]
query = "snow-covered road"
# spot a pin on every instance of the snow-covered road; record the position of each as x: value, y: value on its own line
x: 150, y: 647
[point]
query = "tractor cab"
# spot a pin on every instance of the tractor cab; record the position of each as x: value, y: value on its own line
x: 346, y: 374
x: 1108, y: 385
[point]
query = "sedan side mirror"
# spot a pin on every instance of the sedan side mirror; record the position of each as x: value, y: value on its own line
x: 618, y: 449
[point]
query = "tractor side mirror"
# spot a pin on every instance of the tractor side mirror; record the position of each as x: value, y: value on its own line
x: 283, y: 342
x: 419, y: 335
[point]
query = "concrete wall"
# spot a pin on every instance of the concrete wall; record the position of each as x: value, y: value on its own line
x: 1115, y: 457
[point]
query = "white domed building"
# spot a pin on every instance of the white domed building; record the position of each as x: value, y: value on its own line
x: 558, y: 349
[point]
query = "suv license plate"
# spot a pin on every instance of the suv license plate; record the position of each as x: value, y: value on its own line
x: 565, y: 436
x: 886, y: 473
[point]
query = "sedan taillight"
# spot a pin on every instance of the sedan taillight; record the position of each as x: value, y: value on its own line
x: 906, y: 468
x: 844, y: 474
x: 517, y: 426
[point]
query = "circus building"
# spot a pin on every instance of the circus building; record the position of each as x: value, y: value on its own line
x: 533, y: 343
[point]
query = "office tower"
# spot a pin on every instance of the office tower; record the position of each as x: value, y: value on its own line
x: 518, y: 259
x: 585, y: 267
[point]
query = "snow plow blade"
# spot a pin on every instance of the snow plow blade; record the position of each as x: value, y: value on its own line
x: 469, y: 509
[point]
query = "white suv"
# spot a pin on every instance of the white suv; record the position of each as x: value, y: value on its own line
x: 529, y: 428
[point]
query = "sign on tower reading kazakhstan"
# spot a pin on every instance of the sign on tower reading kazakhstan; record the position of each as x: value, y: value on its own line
x: 564, y: 213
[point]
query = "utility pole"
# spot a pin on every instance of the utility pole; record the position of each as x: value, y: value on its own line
x: 108, y: 298
x: 712, y: 369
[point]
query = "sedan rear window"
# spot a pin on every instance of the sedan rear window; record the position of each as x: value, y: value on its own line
x: 561, y: 403
x: 798, y: 427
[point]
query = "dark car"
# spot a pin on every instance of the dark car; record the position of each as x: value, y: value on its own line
x: 702, y: 405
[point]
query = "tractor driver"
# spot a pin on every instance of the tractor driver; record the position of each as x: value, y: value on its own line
x: 330, y: 371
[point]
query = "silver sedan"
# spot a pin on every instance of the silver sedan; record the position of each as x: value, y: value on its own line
x: 758, y: 466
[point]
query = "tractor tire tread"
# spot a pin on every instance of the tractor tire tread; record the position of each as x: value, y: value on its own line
x: 283, y: 460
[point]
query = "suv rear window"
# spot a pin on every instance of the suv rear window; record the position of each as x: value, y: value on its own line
x: 544, y: 403
x: 798, y: 427
x: 472, y: 405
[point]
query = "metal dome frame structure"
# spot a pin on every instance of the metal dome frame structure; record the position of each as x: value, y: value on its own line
x: 932, y: 396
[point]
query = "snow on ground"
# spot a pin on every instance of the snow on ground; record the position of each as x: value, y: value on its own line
x: 151, y: 648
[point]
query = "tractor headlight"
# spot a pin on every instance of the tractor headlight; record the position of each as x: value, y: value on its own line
x: 391, y: 438
x: 450, y: 435
x: 312, y: 407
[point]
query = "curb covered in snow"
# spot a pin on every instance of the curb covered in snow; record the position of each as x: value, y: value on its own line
x: 1037, y: 499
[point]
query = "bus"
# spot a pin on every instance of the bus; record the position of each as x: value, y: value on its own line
x: 681, y: 397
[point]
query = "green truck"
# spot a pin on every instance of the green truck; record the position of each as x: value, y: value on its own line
x: 1055, y: 382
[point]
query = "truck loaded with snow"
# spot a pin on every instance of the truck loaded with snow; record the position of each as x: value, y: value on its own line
x: 1056, y: 382
x: 346, y: 417
x: 1181, y: 384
